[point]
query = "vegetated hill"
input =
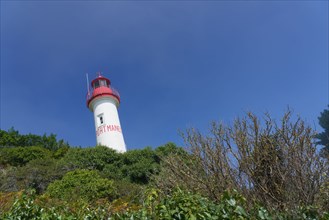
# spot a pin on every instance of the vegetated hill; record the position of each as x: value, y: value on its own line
x: 275, y: 167
x: 12, y: 138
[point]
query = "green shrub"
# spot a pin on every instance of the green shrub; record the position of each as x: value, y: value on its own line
x: 90, y: 158
x: 178, y: 205
x: 19, y: 156
x: 39, y: 173
x: 25, y: 208
x: 87, y: 185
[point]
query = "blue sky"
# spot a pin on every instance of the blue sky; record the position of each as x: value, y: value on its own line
x: 176, y: 64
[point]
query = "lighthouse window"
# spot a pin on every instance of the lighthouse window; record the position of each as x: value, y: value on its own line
x: 103, y: 82
x: 96, y: 84
x: 100, y: 119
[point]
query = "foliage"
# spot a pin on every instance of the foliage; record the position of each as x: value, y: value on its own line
x: 180, y: 204
x: 177, y: 205
x: 169, y: 149
x: 8, y: 179
x: 322, y: 199
x: 7, y: 199
x: 138, y: 165
x: 273, y: 166
x: 87, y: 185
x: 60, y: 152
x: 135, y: 166
x: 36, y: 169
x: 12, y: 138
x: 19, y: 156
x: 276, y: 165
x: 90, y: 158
x: 186, y: 205
x: 129, y: 192
x: 39, y: 173
x: 324, y: 136
x: 25, y: 207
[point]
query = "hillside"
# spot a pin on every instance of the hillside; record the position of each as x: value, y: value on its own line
x: 243, y: 171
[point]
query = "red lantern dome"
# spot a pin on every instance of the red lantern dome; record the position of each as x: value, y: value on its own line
x: 101, y: 86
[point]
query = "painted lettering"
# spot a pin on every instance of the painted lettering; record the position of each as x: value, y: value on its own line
x: 108, y: 128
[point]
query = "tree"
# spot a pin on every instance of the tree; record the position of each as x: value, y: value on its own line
x: 168, y: 149
x: 10, y: 138
x: 13, y: 138
x: 276, y: 164
x: 324, y: 136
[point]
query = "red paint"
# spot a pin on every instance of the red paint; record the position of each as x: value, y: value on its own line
x: 102, y: 91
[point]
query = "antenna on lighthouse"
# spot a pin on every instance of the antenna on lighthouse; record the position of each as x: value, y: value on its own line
x: 88, y: 84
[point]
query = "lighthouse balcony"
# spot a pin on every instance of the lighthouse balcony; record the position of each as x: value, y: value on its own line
x: 102, y: 91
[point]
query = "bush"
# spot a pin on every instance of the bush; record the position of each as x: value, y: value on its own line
x: 179, y: 204
x: 90, y: 158
x: 135, y: 166
x: 25, y: 208
x: 39, y: 173
x: 19, y: 156
x: 87, y: 185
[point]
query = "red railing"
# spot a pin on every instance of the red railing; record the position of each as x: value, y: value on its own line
x: 90, y: 93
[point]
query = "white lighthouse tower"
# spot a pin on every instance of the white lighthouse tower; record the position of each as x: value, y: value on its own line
x: 103, y: 100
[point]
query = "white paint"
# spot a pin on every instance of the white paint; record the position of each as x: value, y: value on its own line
x: 108, y: 133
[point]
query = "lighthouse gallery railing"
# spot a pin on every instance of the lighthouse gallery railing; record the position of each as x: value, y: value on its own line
x: 90, y: 93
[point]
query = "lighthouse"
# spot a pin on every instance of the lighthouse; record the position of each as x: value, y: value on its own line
x: 103, y: 100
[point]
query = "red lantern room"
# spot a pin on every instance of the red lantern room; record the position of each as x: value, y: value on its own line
x: 101, y: 87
